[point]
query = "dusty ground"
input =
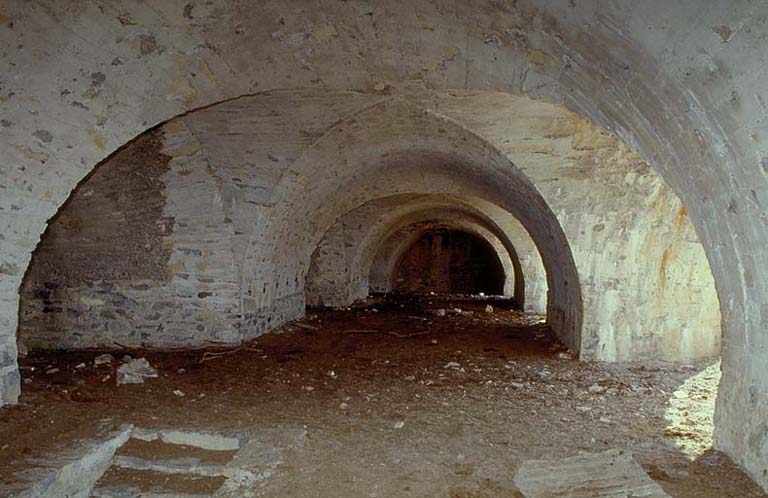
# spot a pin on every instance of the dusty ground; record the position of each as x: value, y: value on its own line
x: 394, y: 401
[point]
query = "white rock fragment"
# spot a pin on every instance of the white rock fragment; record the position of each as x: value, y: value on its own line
x: 103, y: 359
x: 135, y: 371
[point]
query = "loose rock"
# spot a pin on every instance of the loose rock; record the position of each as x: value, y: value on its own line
x: 135, y: 371
x: 103, y: 359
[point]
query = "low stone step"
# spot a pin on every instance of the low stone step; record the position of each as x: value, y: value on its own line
x: 610, y: 474
x: 158, y: 449
x: 205, y: 440
x: 119, y: 482
x: 191, y: 466
x: 123, y: 492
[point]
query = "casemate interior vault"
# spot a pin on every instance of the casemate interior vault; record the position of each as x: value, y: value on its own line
x: 470, y: 242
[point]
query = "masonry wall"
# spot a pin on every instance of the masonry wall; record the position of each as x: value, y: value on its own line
x: 140, y: 255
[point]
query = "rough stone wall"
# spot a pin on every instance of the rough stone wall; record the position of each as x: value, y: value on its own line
x: 645, y: 279
x: 533, y: 271
x: 111, y: 230
x: 329, y: 278
x: 82, y: 80
x: 139, y: 255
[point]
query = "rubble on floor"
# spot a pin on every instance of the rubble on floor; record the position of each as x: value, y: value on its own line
x: 135, y: 371
x: 394, y: 400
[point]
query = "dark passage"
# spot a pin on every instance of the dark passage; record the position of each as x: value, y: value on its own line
x: 449, y: 262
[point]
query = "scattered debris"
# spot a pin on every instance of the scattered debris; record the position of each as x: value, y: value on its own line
x: 488, y: 309
x: 388, y: 332
x: 304, y: 326
x: 103, y: 359
x: 399, y: 424
x: 135, y: 371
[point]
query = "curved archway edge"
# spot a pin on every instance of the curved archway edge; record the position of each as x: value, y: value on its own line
x: 725, y: 225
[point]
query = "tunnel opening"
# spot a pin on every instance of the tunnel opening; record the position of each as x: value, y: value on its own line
x: 445, y: 261
x: 199, y: 300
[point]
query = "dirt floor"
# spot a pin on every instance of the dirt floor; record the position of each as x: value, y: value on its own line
x: 392, y: 400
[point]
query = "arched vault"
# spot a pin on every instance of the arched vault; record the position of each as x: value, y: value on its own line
x: 680, y: 90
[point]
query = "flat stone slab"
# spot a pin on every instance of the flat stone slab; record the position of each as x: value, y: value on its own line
x: 610, y: 474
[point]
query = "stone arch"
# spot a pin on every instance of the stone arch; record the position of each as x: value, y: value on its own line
x: 685, y: 112
x: 347, y: 251
x: 450, y: 159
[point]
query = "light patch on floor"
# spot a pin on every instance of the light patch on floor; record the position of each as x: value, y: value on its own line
x: 690, y: 415
x: 610, y: 474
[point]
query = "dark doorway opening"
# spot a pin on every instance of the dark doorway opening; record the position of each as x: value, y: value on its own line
x: 447, y: 261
